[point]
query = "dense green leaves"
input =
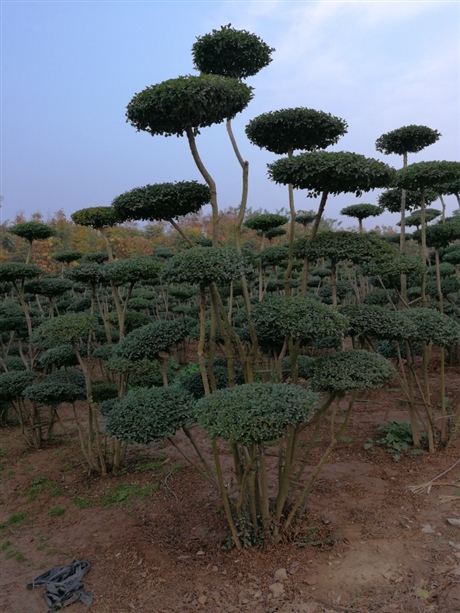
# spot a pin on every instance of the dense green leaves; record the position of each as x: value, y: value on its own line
x: 32, y: 231
x: 427, y: 175
x: 391, y: 199
x: 49, y: 287
x: 344, y: 371
x: 265, y: 222
x: 173, y: 106
x: 96, y: 217
x: 15, y: 271
x: 148, y: 415
x: 66, y: 257
x: 277, y: 317
x: 377, y: 322
x: 162, y: 201
x: 133, y: 270
x: 344, y: 245
x: 408, y: 139
x: 335, y: 172
x: 231, y: 53
x: 148, y: 341
x: 12, y: 384
x: 295, y: 129
x: 255, y: 412
x: 433, y: 327
x: 205, y: 266
x: 361, y: 211
x: 66, y: 328
x: 87, y: 272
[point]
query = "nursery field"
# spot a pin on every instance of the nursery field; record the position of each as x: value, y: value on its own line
x: 157, y: 539
x: 244, y: 410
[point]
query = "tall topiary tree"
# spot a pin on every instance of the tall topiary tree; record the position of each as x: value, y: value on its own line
x: 289, y: 130
x: 184, y: 106
x: 100, y: 218
x: 422, y: 176
x: 330, y: 172
x: 32, y: 231
x: 402, y: 141
x: 237, y: 54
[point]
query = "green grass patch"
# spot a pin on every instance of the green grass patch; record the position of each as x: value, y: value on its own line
x: 81, y: 503
x: 126, y: 492
x: 41, y: 485
x: 17, y: 518
x: 56, y: 511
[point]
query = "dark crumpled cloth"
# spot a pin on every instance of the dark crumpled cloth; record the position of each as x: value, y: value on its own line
x: 63, y: 585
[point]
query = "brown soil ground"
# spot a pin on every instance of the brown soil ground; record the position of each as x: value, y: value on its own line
x: 155, y: 536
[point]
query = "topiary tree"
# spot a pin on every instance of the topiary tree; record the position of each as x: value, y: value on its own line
x: 330, y: 172
x: 32, y: 231
x: 152, y: 341
x: 162, y: 201
x: 76, y: 328
x: 49, y: 287
x: 360, y: 212
x: 265, y: 223
x: 289, y: 130
x: 231, y: 53
x: 100, y: 218
x: 422, y: 176
x: 184, y: 106
x: 97, y: 257
x: 390, y: 200
x: 279, y: 320
x: 402, y: 141
x: 415, y: 218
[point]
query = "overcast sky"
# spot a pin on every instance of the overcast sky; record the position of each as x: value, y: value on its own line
x: 70, y: 68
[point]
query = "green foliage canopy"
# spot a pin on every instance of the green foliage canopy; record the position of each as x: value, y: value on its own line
x: 199, y: 265
x: 343, y: 371
x: 66, y: 328
x: 408, y: 139
x: 255, y: 412
x: 96, y: 217
x: 149, y: 415
x: 162, y: 201
x: 190, y: 102
x: 334, y: 172
x: 295, y: 129
x: 32, y: 231
x: 231, y: 53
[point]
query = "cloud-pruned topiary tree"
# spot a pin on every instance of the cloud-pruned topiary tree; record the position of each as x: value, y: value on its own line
x: 32, y: 231
x: 360, y: 212
x: 289, y: 130
x: 100, y: 218
x: 184, y: 106
x: 162, y: 201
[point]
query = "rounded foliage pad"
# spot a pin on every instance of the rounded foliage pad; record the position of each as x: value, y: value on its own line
x: 162, y: 201
x: 148, y: 415
x: 231, y: 53
x: 255, y: 412
x: 344, y: 371
x: 173, y: 106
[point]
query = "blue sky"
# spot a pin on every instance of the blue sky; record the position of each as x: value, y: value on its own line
x: 70, y: 68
